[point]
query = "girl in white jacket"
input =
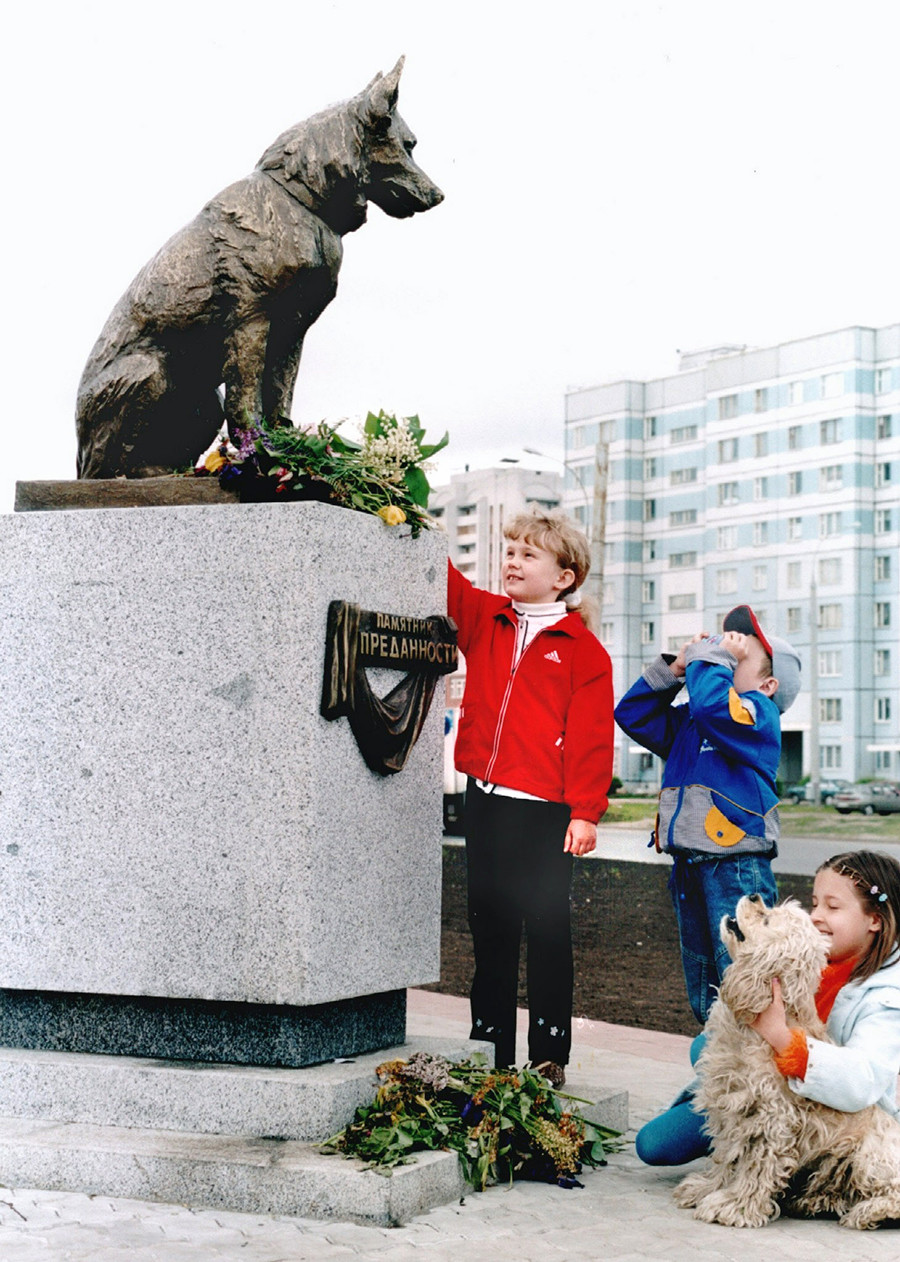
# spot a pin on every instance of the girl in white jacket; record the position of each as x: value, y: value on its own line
x: 856, y: 906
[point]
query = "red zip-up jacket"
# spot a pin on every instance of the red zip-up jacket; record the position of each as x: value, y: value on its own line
x: 544, y: 726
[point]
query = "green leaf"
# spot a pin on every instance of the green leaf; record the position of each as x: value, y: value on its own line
x: 430, y: 449
x: 417, y: 485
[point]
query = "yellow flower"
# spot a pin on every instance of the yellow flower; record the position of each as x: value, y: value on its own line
x: 214, y: 462
x: 392, y: 514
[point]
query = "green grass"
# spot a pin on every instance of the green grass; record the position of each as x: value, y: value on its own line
x: 803, y: 820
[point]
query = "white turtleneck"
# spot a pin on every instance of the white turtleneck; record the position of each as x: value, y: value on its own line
x: 532, y: 619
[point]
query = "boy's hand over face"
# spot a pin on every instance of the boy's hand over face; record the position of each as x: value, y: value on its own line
x: 736, y: 643
x: 678, y: 666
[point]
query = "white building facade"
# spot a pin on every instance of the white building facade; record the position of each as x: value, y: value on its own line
x: 769, y: 477
x: 474, y: 507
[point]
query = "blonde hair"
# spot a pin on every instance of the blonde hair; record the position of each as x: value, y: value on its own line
x: 566, y: 542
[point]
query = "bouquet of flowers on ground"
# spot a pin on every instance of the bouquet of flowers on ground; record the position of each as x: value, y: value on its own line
x: 384, y: 474
x: 504, y: 1124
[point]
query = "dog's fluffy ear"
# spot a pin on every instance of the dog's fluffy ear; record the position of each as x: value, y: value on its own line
x: 381, y: 94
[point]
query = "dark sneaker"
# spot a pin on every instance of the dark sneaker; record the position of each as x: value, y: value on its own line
x: 555, y: 1074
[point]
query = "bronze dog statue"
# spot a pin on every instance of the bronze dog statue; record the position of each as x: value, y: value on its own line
x: 228, y: 300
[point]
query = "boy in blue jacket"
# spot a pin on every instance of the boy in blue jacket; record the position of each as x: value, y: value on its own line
x: 718, y: 808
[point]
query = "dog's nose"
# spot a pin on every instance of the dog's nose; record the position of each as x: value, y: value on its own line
x: 755, y: 898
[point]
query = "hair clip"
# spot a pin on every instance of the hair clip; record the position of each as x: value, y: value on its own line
x: 873, y: 889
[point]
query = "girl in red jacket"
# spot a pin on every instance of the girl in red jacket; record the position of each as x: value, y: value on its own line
x: 535, y: 740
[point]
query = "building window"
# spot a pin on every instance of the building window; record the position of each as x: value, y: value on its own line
x: 678, y: 477
x: 726, y: 538
x: 728, y: 493
x: 882, y: 613
x: 761, y: 400
x: 832, y: 385
x: 683, y: 434
x: 831, y: 477
x: 829, y: 525
x: 830, y: 617
x: 649, y: 510
x: 882, y: 662
x: 682, y: 560
x: 831, y: 663
x: 726, y: 582
x: 648, y: 632
x: 648, y: 550
x: 466, y: 510
x: 760, y: 445
x: 683, y: 517
x: 794, y: 443
x: 794, y: 575
x: 609, y: 593
x: 883, y: 427
x: 882, y: 569
x: 649, y: 468
x: 883, y: 473
x: 829, y: 757
x: 829, y: 432
x: 606, y: 632
x: 795, y: 393
x: 682, y: 600
x: 882, y: 521
x: 760, y: 578
x: 882, y: 709
x: 882, y: 380
x: 795, y: 528
x: 728, y: 407
x: 830, y: 710
x: 830, y: 570
x: 760, y: 534
x: 883, y: 760
x: 795, y: 482
x: 794, y: 618
x: 648, y: 590
x: 728, y: 450
x: 581, y: 516
x: 760, y: 488
x: 649, y: 427
x: 578, y: 436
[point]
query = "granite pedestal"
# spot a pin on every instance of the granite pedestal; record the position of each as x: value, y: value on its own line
x: 182, y: 835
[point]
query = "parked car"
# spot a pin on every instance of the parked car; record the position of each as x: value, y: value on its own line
x: 877, y: 798
x: 827, y: 788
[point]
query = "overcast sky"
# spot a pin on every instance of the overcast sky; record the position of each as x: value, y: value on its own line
x: 622, y: 180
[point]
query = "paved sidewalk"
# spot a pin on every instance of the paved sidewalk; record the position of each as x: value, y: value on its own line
x: 624, y: 1212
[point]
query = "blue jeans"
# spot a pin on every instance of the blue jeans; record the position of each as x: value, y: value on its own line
x: 678, y: 1135
x: 703, y: 891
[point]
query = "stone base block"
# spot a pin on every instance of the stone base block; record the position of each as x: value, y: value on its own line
x: 609, y: 1108
x: 201, y: 1030
x: 239, y: 1100
x: 258, y: 1176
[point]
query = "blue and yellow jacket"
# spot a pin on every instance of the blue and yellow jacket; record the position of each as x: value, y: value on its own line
x: 721, y: 750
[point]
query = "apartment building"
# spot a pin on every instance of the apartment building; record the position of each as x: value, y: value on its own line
x: 769, y: 476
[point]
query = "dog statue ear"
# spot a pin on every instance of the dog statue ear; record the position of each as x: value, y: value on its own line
x: 381, y: 94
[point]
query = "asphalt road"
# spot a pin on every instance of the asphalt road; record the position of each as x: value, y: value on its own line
x: 796, y: 856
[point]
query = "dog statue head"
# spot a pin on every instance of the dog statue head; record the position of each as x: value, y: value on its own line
x: 769, y: 942
x: 353, y: 153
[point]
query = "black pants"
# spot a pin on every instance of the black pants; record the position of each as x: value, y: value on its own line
x: 518, y: 873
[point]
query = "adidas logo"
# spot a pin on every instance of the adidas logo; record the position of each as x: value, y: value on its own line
x: 553, y: 657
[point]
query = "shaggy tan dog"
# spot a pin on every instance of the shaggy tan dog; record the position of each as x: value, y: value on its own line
x: 772, y: 1147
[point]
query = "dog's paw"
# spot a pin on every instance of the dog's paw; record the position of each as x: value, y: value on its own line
x: 868, y: 1214
x: 722, y: 1207
x: 691, y: 1190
